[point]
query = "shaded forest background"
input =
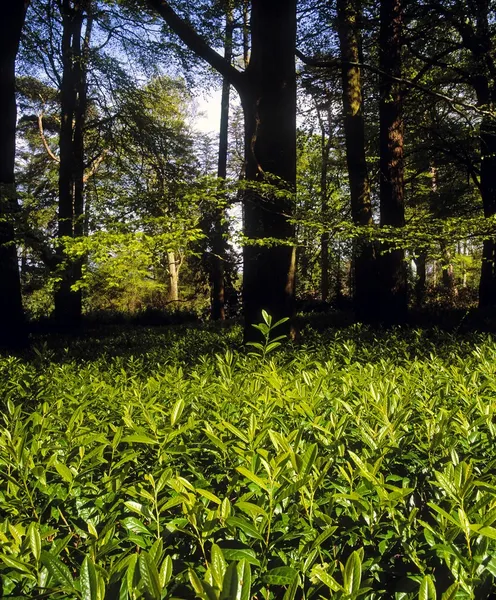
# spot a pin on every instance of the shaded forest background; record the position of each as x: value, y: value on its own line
x: 355, y: 166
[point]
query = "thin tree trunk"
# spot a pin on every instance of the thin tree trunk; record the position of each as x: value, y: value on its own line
x: 173, y: 277
x: 365, y: 292
x: 392, y: 268
x: 325, y: 149
x: 219, y: 229
x: 13, y: 334
x: 269, y: 104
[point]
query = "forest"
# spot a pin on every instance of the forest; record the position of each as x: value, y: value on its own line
x: 252, y: 359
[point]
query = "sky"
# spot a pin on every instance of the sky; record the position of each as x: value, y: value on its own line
x: 208, y: 119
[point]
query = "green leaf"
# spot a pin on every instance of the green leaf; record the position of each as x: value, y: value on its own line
x: 308, y: 459
x: 35, y: 541
x: 292, y: 589
x: 240, y: 554
x: 136, y: 438
x: 217, y: 565
x: 57, y: 569
x: 246, y: 527
x: 255, y: 478
x: 64, y: 472
x: 165, y: 572
x: 202, y: 588
x: 280, y: 576
x: 451, y: 592
x: 177, y: 411
x: 244, y: 578
x: 88, y: 580
x: 230, y: 585
x: 149, y: 575
x: 427, y: 590
x: 319, y: 574
x: 131, y: 573
x: 209, y: 496
x: 135, y: 525
x: 322, y: 537
x: 252, y: 510
x: 15, y: 564
x: 352, y: 574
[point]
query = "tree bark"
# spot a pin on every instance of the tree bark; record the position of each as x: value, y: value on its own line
x: 73, y: 100
x: 365, y: 276
x: 267, y: 90
x: 269, y: 104
x: 13, y: 334
x: 219, y: 249
x: 392, y: 268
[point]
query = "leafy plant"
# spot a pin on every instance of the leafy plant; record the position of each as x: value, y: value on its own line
x: 266, y: 328
x: 359, y: 464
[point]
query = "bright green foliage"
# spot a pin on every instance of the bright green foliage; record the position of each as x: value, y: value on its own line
x: 357, y: 465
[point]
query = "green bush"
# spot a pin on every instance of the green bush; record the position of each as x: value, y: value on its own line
x: 356, y: 465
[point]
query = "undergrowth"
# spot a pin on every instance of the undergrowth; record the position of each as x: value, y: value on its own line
x: 169, y: 463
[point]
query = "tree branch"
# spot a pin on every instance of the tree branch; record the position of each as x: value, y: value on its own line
x: 53, y: 156
x: 196, y: 43
x: 331, y: 63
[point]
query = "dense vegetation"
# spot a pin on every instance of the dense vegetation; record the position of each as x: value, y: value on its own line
x: 164, y: 463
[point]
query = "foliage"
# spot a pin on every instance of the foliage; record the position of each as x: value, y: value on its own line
x: 358, y: 464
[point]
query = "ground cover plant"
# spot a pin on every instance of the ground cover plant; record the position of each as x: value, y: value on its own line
x: 172, y: 463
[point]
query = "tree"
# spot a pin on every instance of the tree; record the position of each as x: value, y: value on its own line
x: 392, y: 268
x: 12, y: 326
x: 219, y: 253
x: 348, y: 19
x: 73, y: 106
x: 267, y: 89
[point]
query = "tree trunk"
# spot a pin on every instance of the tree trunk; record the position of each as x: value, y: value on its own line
x: 365, y: 296
x: 269, y: 104
x: 267, y: 91
x: 173, y: 277
x: 219, y: 241
x: 73, y: 101
x: 487, y: 286
x: 325, y: 149
x: 13, y: 334
x: 392, y: 268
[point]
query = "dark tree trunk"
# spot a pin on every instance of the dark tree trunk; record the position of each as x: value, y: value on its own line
x: 487, y: 286
x: 219, y: 229
x: 268, y: 95
x: 73, y: 100
x: 325, y: 149
x: 365, y: 292
x: 392, y: 268
x: 13, y: 333
x: 269, y: 103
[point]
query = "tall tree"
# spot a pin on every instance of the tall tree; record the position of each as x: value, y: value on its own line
x: 349, y: 19
x: 218, y: 241
x: 267, y: 89
x: 392, y: 267
x: 73, y: 106
x: 12, y: 327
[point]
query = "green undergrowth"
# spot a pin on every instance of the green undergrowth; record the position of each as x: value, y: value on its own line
x: 165, y: 464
